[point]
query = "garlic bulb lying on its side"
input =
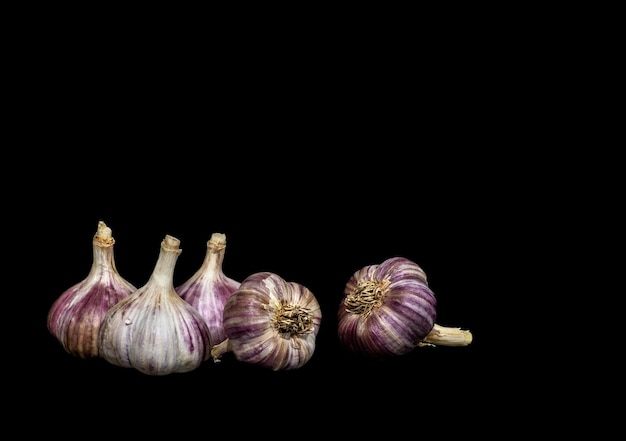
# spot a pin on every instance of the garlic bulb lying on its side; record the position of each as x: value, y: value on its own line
x: 388, y: 309
x: 270, y: 322
x: 75, y: 317
x: 153, y: 330
x: 208, y: 289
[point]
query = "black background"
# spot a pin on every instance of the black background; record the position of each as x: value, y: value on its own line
x: 314, y: 164
x: 470, y: 141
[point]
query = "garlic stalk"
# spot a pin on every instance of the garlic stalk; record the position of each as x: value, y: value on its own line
x: 270, y: 322
x: 154, y: 330
x: 208, y: 289
x: 75, y: 317
x: 389, y: 309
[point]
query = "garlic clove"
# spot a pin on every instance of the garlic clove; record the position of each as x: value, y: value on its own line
x: 75, y: 317
x: 271, y: 323
x: 208, y: 288
x: 154, y: 330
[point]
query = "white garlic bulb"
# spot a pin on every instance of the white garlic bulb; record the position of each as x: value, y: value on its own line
x: 75, y: 317
x: 154, y: 330
x: 208, y: 289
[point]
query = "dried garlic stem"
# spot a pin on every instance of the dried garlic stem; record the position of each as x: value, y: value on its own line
x: 104, y: 236
x: 220, y: 349
x: 445, y: 336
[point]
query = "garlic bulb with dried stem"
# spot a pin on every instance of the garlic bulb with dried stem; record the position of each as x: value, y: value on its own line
x: 154, y: 330
x: 208, y: 288
x: 270, y: 322
x: 75, y: 317
x: 389, y: 309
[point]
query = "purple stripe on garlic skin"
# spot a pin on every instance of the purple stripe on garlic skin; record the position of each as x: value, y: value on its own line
x: 400, y: 268
x: 271, y: 323
x: 210, y: 308
x: 79, y: 320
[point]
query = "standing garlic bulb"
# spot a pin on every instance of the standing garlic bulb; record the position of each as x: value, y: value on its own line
x: 208, y: 289
x: 270, y: 322
x: 75, y: 317
x: 388, y: 309
x: 153, y: 330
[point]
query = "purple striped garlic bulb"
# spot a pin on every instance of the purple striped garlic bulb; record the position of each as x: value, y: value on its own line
x: 208, y: 288
x: 271, y: 323
x: 154, y: 330
x: 75, y: 317
x: 388, y: 309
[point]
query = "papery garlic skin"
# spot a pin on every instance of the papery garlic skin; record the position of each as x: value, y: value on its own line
x: 208, y: 288
x: 271, y: 323
x: 153, y: 330
x: 389, y: 309
x: 75, y: 317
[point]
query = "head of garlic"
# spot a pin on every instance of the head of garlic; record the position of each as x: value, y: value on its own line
x: 154, y: 330
x: 208, y: 288
x: 75, y: 317
x: 389, y: 309
x: 270, y: 322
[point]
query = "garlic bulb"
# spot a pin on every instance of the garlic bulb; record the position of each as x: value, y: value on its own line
x: 75, y: 317
x: 208, y: 289
x: 270, y: 322
x: 388, y: 309
x: 153, y: 330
